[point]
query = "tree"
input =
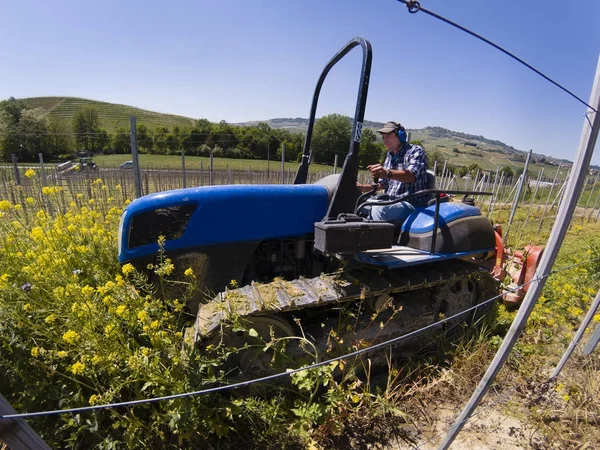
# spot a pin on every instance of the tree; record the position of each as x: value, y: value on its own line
x: 33, y: 129
x: 60, y: 141
x: 86, y: 125
x: 370, y: 151
x: 161, y: 145
x: 331, y: 136
x: 508, y: 172
x: 144, y: 140
x: 121, y: 141
x: 10, y: 115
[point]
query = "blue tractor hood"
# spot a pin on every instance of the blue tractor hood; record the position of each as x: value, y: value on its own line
x: 212, y: 215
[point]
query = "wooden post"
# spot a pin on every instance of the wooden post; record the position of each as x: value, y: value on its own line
x: 282, y: 163
x: 16, y: 433
x: 41, y: 157
x: 13, y: 157
x: 137, y: 181
x: 183, y: 167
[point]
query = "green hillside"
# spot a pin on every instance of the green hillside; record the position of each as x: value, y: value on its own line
x: 458, y: 148
x: 111, y: 115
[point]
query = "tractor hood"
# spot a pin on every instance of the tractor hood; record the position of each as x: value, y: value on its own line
x: 219, y: 214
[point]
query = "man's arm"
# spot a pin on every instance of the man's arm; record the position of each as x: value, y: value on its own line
x: 405, y: 176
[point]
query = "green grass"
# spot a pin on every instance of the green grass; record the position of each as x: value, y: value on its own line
x: 193, y: 163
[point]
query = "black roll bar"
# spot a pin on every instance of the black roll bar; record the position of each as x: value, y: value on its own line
x: 343, y: 199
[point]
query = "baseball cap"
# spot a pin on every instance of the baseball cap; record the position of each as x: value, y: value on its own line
x: 389, y: 127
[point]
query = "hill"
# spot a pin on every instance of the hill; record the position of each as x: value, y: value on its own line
x: 111, y: 115
x: 459, y: 148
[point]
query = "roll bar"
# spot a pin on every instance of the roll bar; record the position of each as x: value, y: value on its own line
x: 345, y: 195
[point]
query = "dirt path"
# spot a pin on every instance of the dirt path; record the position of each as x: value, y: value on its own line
x: 488, y: 429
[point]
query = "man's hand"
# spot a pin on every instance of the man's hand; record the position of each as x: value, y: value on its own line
x: 377, y: 171
x: 367, y: 187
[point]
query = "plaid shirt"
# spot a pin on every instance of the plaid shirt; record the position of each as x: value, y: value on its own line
x: 411, y: 158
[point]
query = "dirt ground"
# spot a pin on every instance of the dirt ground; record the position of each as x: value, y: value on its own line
x: 488, y: 429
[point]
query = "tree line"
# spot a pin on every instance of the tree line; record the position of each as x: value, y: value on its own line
x: 27, y: 132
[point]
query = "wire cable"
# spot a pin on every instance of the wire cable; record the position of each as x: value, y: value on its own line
x: 414, y: 7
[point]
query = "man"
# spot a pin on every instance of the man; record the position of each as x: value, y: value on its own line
x: 403, y: 171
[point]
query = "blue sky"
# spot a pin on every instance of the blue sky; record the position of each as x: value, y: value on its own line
x: 254, y: 60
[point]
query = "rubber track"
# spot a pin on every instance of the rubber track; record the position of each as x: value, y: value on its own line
x: 356, y: 284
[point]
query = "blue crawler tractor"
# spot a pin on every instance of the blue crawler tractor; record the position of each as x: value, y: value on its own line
x: 299, y: 254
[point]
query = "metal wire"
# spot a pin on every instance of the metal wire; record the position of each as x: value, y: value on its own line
x: 414, y: 7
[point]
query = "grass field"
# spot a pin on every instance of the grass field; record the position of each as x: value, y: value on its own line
x: 111, y: 115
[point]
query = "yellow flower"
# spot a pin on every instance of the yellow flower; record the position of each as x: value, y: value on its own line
x: 121, y: 310
x: 87, y: 290
x: 71, y: 337
x: 5, y: 205
x: 94, y: 399
x: 50, y: 319
x: 189, y: 272
x: 35, y: 352
x: 62, y: 354
x: 30, y: 200
x: 96, y: 360
x: 143, y: 316
x: 30, y: 173
x: 127, y: 269
x: 77, y: 368
x: 37, y: 233
x: 18, y: 207
x: 27, y: 307
x: 108, y: 330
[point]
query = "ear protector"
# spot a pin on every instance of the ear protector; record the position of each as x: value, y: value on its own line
x: 401, y: 133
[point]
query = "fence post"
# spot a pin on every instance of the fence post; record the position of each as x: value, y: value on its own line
x: 548, y: 199
x: 211, y: 171
x: 589, y: 197
x: 335, y: 163
x: 183, y: 167
x: 13, y: 157
x: 282, y: 163
x: 137, y: 181
x: 41, y: 157
x: 16, y: 433
x: 584, y: 324
x: 581, y: 164
x: 517, y: 197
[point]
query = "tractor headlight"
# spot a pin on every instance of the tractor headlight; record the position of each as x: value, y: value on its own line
x: 120, y: 233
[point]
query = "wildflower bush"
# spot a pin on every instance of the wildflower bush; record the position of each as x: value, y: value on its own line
x: 76, y: 329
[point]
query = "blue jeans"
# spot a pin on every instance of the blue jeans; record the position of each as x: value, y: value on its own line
x: 395, y: 213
